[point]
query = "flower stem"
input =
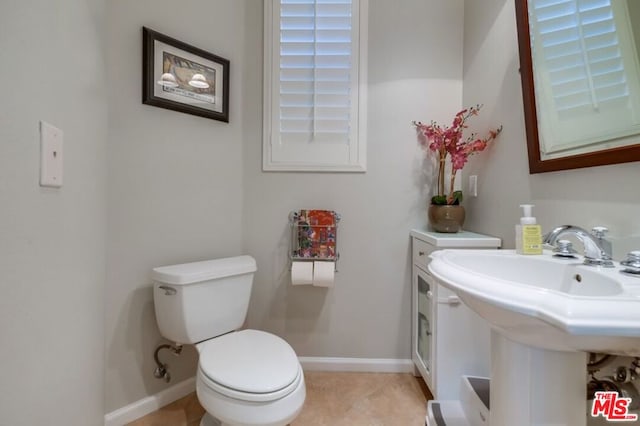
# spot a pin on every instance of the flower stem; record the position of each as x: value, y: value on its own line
x: 441, y: 174
x: 452, y: 181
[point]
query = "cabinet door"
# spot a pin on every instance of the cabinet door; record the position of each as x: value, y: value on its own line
x: 461, y: 344
x: 423, y: 326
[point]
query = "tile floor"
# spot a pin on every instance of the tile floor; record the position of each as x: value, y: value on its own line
x: 336, y: 399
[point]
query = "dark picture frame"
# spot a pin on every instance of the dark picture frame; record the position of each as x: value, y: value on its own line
x: 184, y: 78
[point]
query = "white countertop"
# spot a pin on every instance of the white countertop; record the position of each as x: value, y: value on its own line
x: 458, y: 239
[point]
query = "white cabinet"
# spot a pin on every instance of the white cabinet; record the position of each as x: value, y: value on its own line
x: 448, y: 339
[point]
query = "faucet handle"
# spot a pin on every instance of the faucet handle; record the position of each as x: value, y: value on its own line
x: 599, y: 231
x: 632, y: 263
x: 564, y: 248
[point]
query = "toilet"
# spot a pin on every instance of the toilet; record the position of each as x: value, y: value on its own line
x: 245, y: 377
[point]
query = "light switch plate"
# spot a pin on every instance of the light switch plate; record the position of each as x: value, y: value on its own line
x: 51, y: 139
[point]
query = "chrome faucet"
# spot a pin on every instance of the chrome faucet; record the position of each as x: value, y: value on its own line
x: 597, y: 250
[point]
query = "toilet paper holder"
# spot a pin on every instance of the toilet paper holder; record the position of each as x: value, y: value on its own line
x: 314, y: 236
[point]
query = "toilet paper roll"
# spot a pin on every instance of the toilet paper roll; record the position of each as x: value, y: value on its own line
x: 302, y: 273
x: 323, y: 274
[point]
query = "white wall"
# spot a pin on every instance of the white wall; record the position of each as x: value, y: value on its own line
x: 175, y: 181
x: 415, y: 68
x: 606, y: 195
x: 52, y: 241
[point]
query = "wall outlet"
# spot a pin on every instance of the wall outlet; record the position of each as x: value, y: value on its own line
x: 473, y: 185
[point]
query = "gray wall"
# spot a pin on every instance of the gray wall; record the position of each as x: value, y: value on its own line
x: 52, y: 241
x: 415, y: 64
x: 175, y: 181
x: 634, y: 18
x: 183, y: 188
x: 606, y: 195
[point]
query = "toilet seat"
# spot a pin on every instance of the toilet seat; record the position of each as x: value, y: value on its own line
x: 249, y: 365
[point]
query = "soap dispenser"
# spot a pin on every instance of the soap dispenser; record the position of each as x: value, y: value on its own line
x: 528, y: 233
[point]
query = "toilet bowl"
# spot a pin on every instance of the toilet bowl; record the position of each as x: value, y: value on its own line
x: 245, y: 378
x: 250, y: 377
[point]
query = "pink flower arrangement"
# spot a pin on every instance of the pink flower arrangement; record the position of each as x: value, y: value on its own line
x: 444, y: 141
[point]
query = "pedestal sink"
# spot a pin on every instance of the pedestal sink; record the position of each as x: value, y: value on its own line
x: 545, y: 314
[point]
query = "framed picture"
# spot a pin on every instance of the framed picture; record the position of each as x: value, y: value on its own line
x: 183, y: 78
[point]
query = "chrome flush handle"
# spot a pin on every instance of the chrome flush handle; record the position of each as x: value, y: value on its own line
x: 168, y: 291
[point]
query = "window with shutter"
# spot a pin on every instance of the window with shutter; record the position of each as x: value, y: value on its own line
x: 586, y: 73
x: 315, y: 85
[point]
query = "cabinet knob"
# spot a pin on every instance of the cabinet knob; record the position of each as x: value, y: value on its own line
x: 453, y: 300
x: 421, y: 253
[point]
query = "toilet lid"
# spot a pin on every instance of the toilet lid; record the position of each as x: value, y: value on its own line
x: 249, y: 361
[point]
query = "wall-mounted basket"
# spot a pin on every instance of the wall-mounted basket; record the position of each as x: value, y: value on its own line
x: 314, y: 235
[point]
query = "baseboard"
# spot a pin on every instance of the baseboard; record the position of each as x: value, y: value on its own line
x: 147, y: 405
x: 361, y: 365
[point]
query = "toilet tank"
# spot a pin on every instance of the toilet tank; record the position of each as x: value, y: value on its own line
x: 201, y: 300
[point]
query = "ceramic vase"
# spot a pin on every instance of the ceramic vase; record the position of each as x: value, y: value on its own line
x: 446, y: 218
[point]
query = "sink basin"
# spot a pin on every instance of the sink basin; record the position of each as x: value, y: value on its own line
x: 546, y: 302
x: 569, y: 277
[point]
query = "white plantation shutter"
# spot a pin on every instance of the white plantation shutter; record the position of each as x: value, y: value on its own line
x: 587, y: 87
x: 314, y: 81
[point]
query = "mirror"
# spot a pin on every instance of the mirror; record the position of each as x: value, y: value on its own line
x: 580, y: 71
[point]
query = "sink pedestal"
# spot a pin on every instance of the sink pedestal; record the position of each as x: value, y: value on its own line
x: 534, y: 387
x: 547, y: 314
